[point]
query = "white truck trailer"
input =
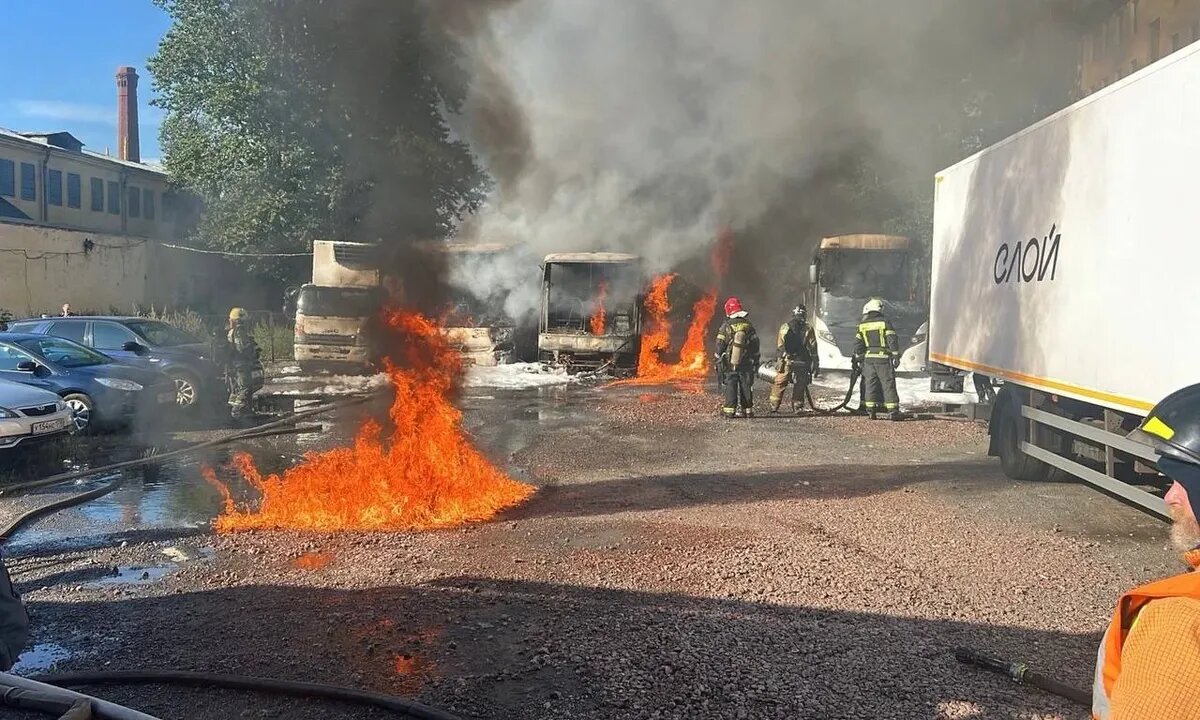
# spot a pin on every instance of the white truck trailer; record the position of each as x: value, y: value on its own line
x: 1064, y: 265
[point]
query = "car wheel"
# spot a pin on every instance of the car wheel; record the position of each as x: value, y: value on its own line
x: 84, y: 409
x: 187, y: 390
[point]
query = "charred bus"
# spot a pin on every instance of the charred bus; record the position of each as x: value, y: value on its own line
x: 591, y: 312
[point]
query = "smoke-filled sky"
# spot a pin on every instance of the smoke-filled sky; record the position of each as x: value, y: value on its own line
x: 644, y: 125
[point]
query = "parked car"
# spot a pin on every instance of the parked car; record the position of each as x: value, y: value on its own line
x: 29, y: 414
x: 100, y: 390
x: 144, y: 342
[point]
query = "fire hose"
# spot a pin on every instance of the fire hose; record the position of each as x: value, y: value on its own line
x: 1022, y: 675
x: 768, y: 373
x: 236, y: 682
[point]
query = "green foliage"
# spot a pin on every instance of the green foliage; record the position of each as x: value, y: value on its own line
x: 296, y: 121
x: 275, y: 341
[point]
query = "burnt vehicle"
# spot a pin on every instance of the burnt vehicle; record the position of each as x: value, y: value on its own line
x: 479, y: 328
x: 591, y: 317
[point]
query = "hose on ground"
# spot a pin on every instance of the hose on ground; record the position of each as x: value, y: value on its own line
x: 225, y: 439
x: 101, y: 709
x: 854, y: 374
x: 249, y: 433
x: 235, y: 682
x: 39, y: 512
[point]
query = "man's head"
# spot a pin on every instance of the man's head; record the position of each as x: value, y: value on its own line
x: 732, y: 307
x: 800, y: 313
x: 1173, y: 428
x: 1182, y: 501
x: 873, y: 305
x: 236, y: 315
x: 66, y: 309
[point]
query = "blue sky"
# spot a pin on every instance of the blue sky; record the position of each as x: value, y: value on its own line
x: 68, y: 52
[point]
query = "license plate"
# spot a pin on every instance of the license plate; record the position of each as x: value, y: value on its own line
x: 167, y: 397
x: 46, y: 426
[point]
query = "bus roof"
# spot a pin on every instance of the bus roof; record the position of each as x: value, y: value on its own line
x: 865, y: 242
x: 591, y: 257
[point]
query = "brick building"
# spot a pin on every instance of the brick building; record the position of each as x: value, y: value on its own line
x: 1119, y: 37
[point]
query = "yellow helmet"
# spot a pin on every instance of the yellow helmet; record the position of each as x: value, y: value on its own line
x: 237, y: 313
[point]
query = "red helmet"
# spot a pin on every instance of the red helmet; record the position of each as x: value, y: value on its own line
x: 732, y: 305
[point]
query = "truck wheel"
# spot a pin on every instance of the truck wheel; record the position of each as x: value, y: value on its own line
x: 1010, y: 429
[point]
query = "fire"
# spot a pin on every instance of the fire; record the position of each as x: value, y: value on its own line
x: 426, y: 474
x: 693, y: 364
x: 597, y: 324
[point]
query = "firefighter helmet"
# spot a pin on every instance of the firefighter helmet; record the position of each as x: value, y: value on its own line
x: 732, y: 305
x: 800, y: 312
x: 873, y: 305
x: 237, y: 314
x: 1174, y: 425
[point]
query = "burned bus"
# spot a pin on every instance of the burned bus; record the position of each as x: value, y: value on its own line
x: 591, y: 312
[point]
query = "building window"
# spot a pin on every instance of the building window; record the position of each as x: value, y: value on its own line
x: 54, y: 187
x: 97, y: 195
x: 74, y: 191
x: 148, y: 203
x: 135, y: 202
x: 28, y: 182
x: 8, y: 178
x: 168, y: 207
x: 114, y: 198
x: 1154, y: 33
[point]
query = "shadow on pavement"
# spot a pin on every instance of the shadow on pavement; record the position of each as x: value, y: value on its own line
x: 490, y: 648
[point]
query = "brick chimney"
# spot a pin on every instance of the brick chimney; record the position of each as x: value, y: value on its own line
x: 128, y: 145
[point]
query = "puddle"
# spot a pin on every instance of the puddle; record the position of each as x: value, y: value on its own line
x: 135, y: 575
x: 40, y: 658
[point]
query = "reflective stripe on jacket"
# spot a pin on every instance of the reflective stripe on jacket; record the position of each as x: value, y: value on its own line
x: 876, y: 337
x: 1158, y: 682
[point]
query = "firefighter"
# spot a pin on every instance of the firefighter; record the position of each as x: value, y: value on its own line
x: 1148, y: 665
x: 737, y: 360
x: 797, y: 359
x: 877, y: 352
x: 14, y: 622
x: 241, y: 362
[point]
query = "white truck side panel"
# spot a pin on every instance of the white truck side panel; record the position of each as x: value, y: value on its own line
x: 1112, y: 319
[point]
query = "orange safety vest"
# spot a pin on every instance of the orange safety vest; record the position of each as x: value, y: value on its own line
x: 1108, y: 658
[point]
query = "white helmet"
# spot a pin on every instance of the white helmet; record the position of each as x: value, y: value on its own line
x: 873, y: 305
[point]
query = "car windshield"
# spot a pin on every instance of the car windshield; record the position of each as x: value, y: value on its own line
x: 160, y: 334
x: 63, y: 353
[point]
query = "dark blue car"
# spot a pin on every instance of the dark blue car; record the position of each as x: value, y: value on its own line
x: 143, y: 342
x: 99, y: 389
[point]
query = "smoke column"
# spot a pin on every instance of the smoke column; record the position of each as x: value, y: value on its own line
x: 644, y: 125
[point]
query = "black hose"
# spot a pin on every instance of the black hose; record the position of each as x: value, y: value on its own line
x: 39, y: 512
x: 34, y: 701
x: 854, y: 374
x: 236, y: 682
x: 225, y: 439
x: 1020, y: 673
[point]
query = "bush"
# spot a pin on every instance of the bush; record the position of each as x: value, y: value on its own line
x: 275, y: 341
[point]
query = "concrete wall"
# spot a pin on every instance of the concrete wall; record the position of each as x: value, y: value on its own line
x: 1135, y: 34
x: 41, y: 268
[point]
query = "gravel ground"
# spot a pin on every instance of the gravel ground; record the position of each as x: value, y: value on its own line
x: 672, y: 565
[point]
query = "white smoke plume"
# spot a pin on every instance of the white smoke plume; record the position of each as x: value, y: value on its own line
x: 644, y: 126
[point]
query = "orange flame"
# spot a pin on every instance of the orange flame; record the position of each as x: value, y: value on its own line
x: 597, y: 324
x: 426, y: 475
x: 312, y: 561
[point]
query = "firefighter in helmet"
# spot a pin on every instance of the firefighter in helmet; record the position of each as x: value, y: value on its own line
x: 241, y: 362
x: 737, y: 360
x: 877, y: 354
x: 797, y: 361
x: 1148, y: 665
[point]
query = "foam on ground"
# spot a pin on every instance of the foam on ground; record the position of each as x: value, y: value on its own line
x: 515, y: 376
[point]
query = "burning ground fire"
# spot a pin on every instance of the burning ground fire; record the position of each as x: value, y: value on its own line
x: 425, y: 475
x: 693, y: 364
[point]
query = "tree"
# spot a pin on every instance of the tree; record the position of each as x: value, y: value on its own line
x: 301, y: 121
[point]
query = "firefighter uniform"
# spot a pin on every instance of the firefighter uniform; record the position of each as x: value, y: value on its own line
x: 1148, y: 664
x: 737, y: 358
x: 241, y: 364
x: 877, y: 351
x: 798, y: 358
